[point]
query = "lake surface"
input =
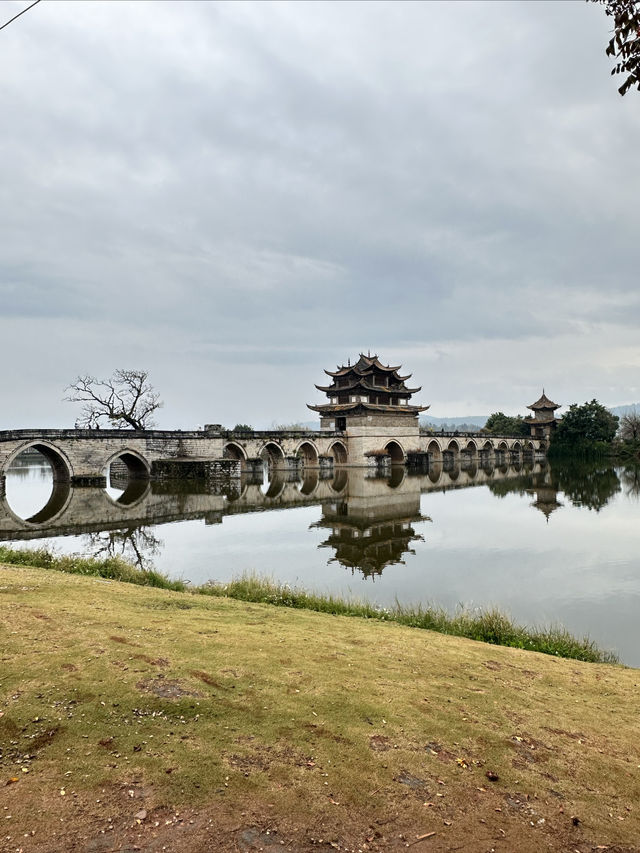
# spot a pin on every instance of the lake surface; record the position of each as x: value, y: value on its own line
x: 547, y: 544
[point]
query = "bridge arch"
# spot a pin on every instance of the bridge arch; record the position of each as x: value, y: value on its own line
x: 502, y: 449
x: 339, y: 452
x: 435, y: 451
x: 272, y: 453
x: 395, y: 451
x: 308, y: 452
x: 471, y: 447
x: 59, y: 462
x: 233, y: 450
x: 137, y: 466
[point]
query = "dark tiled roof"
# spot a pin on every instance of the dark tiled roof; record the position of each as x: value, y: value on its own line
x: 362, y: 383
x: 544, y: 403
x: 366, y: 364
x: 341, y: 408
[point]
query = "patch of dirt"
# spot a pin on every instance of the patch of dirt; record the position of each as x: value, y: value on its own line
x: 153, y: 661
x: 439, y: 751
x: 405, y: 778
x: 321, y: 731
x: 166, y: 688
x: 207, y: 679
x: 469, y: 820
x: 379, y: 743
x: 573, y: 735
x: 123, y: 641
x: 69, y: 667
x: 529, y: 749
x: 262, y: 757
x: 42, y: 739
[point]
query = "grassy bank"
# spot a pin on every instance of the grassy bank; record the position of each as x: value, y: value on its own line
x: 133, y: 717
x: 488, y: 625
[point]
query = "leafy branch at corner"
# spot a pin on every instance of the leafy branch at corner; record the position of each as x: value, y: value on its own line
x: 625, y: 41
x: 126, y: 399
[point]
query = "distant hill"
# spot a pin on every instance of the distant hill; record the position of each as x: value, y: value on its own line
x: 623, y: 410
x: 471, y: 423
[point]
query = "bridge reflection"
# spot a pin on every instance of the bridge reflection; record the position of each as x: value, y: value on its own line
x: 370, y: 520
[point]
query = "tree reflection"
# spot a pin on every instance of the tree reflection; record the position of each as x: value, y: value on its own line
x: 137, y: 545
x: 631, y: 481
x: 586, y: 482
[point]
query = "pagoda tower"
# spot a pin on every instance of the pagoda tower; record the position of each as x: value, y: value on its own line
x: 544, y: 420
x: 370, y: 403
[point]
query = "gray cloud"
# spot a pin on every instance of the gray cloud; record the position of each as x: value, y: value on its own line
x: 235, y: 196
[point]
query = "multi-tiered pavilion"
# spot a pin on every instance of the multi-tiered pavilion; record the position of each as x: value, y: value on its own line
x: 371, y: 402
x: 544, y: 420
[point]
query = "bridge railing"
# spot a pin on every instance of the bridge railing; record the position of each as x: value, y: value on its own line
x: 27, y: 434
x: 475, y: 435
x: 20, y: 434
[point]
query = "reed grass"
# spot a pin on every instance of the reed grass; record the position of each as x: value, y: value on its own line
x: 111, y: 568
x: 487, y: 625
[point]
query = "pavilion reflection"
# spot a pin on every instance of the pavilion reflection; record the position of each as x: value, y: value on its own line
x: 372, y: 524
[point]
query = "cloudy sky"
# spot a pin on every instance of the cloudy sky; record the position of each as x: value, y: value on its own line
x: 235, y: 196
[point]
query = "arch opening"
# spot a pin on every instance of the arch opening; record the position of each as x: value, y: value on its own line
x: 396, y: 452
x: 124, y: 467
x: 232, y: 450
x: 308, y: 453
x: 273, y: 454
x: 37, y: 484
x: 339, y: 453
x: 433, y: 449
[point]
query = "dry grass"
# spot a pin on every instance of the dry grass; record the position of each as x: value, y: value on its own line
x: 243, y: 717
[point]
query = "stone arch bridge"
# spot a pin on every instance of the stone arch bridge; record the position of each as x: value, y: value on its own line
x: 83, y: 457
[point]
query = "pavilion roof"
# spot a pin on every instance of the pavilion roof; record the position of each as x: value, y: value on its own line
x: 361, y: 382
x: 544, y: 403
x: 343, y: 408
x: 367, y: 364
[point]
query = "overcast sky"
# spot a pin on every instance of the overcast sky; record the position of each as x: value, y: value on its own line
x: 235, y: 196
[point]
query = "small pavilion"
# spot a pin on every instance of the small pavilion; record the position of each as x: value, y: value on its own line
x: 543, y: 421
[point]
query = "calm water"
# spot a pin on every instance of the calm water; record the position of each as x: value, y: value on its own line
x: 548, y: 545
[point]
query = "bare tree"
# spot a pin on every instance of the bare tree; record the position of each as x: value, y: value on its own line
x: 126, y: 399
x: 630, y: 426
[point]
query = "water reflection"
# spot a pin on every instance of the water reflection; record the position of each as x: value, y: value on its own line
x: 368, y: 522
x: 137, y: 545
x: 585, y: 483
